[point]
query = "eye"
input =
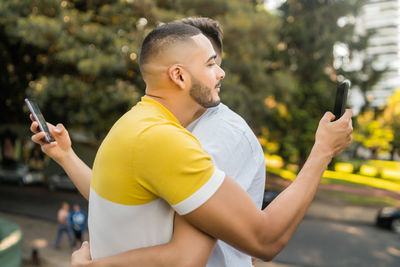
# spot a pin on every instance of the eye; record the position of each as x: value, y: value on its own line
x: 211, y: 64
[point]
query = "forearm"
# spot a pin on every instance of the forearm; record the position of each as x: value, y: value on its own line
x: 188, y: 247
x: 166, y: 255
x: 77, y: 170
x: 157, y: 256
x: 260, y: 233
x: 296, y: 199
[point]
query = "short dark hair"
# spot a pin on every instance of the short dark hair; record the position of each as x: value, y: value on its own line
x: 209, y: 27
x: 163, y: 36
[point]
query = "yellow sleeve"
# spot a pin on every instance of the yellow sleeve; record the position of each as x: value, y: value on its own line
x: 172, y: 165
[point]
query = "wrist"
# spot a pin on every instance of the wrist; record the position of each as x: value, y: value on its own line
x: 91, y: 263
x: 67, y: 159
x: 323, y: 152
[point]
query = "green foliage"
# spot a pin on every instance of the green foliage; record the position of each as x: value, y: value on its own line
x: 84, y: 53
x: 380, y: 130
x: 372, y: 133
x: 308, y: 34
x: 79, y: 60
x: 391, y: 117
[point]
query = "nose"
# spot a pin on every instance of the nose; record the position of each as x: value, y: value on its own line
x: 220, y: 73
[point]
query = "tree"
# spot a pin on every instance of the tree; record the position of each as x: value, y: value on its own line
x: 77, y: 58
x: 373, y: 134
x: 308, y: 34
x: 391, y: 117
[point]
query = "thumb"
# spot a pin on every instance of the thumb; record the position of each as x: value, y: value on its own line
x: 348, y: 114
x: 85, y: 245
x: 59, y: 129
x: 328, y: 117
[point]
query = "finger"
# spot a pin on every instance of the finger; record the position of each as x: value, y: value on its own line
x: 350, y: 131
x: 34, y: 127
x: 58, y: 130
x: 39, y: 138
x: 86, y: 248
x: 50, y: 125
x: 31, y: 117
x: 85, y: 244
x: 328, y: 117
x: 47, y: 146
x: 347, y: 114
x: 351, y: 124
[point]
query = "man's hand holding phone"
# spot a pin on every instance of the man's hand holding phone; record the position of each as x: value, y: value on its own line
x: 334, y: 136
x: 54, y: 140
x: 58, y: 149
x: 56, y: 143
x: 334, y: 131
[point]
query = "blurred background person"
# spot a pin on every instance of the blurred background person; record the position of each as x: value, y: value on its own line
x: 78, y: 221
x: 63, y: 225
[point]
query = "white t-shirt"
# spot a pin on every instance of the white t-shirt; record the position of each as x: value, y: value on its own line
x: 235, y: 150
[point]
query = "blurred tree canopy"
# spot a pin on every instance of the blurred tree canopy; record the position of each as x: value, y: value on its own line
x: 78, y: 59
x: 373, y: 133
x: 391, y: 117
x: 379, y: 129
x: 307, y: 35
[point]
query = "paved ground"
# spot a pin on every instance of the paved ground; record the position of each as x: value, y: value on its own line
x: 41, y: 234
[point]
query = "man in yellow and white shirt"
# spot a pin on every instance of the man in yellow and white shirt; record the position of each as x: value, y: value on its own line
x: 178, y: 65
x: 147, y: 167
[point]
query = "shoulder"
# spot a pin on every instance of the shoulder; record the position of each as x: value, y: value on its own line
x: 223, y: 119
x: 165, y: 141
x: 222, y: 125
x: 163, y: 132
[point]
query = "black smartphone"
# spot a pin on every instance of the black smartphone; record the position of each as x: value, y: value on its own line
x: 341, y: 99
x: 38, y: 116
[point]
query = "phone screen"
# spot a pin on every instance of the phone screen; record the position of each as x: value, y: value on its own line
x: 341, y: 99
x: 34, y: 109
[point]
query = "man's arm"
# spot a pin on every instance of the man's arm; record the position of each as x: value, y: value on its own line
x: 188, y: 248
x: 232, y: 216
x: 61, y: 151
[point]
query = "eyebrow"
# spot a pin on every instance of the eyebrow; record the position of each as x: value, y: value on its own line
x: 212, y: 57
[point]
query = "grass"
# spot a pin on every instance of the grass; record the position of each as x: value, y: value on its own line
x: 343, y: 182
x: 363, y: 180
x: 358, y: 200
x: 363, y: 197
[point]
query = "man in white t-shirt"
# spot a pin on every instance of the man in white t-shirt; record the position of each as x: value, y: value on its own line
x: 229, y: 214
x: 234, y: 149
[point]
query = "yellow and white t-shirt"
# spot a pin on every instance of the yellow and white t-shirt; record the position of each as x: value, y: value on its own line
x: 147, y: 164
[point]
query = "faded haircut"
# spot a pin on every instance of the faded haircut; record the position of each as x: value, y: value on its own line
x: 209, y: 27
x: 162, y: 37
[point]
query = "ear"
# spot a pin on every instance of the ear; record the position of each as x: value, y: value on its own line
x: 177, y: 75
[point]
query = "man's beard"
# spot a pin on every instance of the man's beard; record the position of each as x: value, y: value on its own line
x: 203, y: 94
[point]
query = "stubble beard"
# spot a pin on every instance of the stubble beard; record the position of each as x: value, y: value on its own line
x: 202, y: 94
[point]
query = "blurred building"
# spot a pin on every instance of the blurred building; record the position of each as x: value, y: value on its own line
x: 383, y: 17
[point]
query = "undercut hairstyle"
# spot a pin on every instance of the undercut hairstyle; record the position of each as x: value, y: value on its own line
x: 209, y: 27
x: 162, y: 37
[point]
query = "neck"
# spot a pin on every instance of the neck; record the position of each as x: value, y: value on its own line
x: 184, y: 109
x: 199, y: 112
